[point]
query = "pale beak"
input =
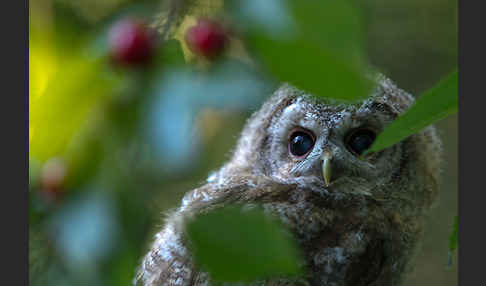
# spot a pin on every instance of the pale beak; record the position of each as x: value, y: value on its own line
x: 326, y: 167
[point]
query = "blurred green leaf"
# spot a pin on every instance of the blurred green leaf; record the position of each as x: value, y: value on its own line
x: 453, y: 236
x: 169, y: 54
x: 312, y: 68
x: 452, y: 242
x: 71, y: 94
x: 433, y: 105
x: 117, y: 268
x: 320, y: 53
x: 235, y: 245
x: 84, y: 157
x: 335, y: 25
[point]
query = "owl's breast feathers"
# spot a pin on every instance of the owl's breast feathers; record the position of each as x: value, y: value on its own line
x: 349, y: 240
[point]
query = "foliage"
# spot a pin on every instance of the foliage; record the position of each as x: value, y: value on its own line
x: 247, y: 238
x: 433, y: 105
x: 326, y: 61
x: 133, y: 140
x: 453, y: 238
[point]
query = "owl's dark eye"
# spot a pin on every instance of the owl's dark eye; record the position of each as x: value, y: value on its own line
x: 359, y: 140
x: 301, y: 143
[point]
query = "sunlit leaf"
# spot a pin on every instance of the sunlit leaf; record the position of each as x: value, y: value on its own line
x: 432, y: 106
x: 72, y: 93
x: 235, y: 245
x: 42, y: 66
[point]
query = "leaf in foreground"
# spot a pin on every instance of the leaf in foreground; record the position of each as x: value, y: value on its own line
x: 314, y: 45
x: 242, y: 246
x: 453, y: 240
x: 312, y: 68
x: 432, y: 106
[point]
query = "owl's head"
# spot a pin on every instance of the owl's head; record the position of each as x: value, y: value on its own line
x: 298, y: 138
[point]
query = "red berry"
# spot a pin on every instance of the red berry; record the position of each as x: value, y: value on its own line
x: 131, y: 42
x: 207, y: 39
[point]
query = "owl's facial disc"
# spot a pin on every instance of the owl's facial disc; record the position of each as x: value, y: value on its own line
x: 323, y: 143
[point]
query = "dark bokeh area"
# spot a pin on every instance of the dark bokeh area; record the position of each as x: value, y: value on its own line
x: 113, y: 149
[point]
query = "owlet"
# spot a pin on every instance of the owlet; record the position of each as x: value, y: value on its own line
x: 357, y: 220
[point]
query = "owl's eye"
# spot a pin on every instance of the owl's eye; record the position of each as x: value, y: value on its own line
x: 301, y: 143
x: 359, y: 140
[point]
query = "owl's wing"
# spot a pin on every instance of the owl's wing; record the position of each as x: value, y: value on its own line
x: 168, y: 262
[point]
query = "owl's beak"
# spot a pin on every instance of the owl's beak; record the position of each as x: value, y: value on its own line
x: 326, y: 167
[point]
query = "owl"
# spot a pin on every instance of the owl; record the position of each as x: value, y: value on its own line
x: 356, y: 219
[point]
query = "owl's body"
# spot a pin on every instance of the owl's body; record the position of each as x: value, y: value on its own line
x: 359, y: 228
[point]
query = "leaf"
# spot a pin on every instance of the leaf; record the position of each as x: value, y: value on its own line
x: 43, y: 64
x: 241, y: 246
x: 432, y: 106
x: 453, y: 236
x: 320, y: 52
x: 312, y: 68
x: 69, y: 98
x: 335, y: 25
x: 66, y: 83
x: 452, y: 242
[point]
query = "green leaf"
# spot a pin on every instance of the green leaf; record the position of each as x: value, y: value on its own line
x: 453, y: 236
x: 432, y: 106
x: 335, y: 25
x: 312, y: 68
x: 319, y: 53
x: 452, y: 242
x: 242, y: 246
x: 73, y: 92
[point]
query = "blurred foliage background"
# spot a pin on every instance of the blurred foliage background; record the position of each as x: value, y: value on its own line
x: 113, y: 148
